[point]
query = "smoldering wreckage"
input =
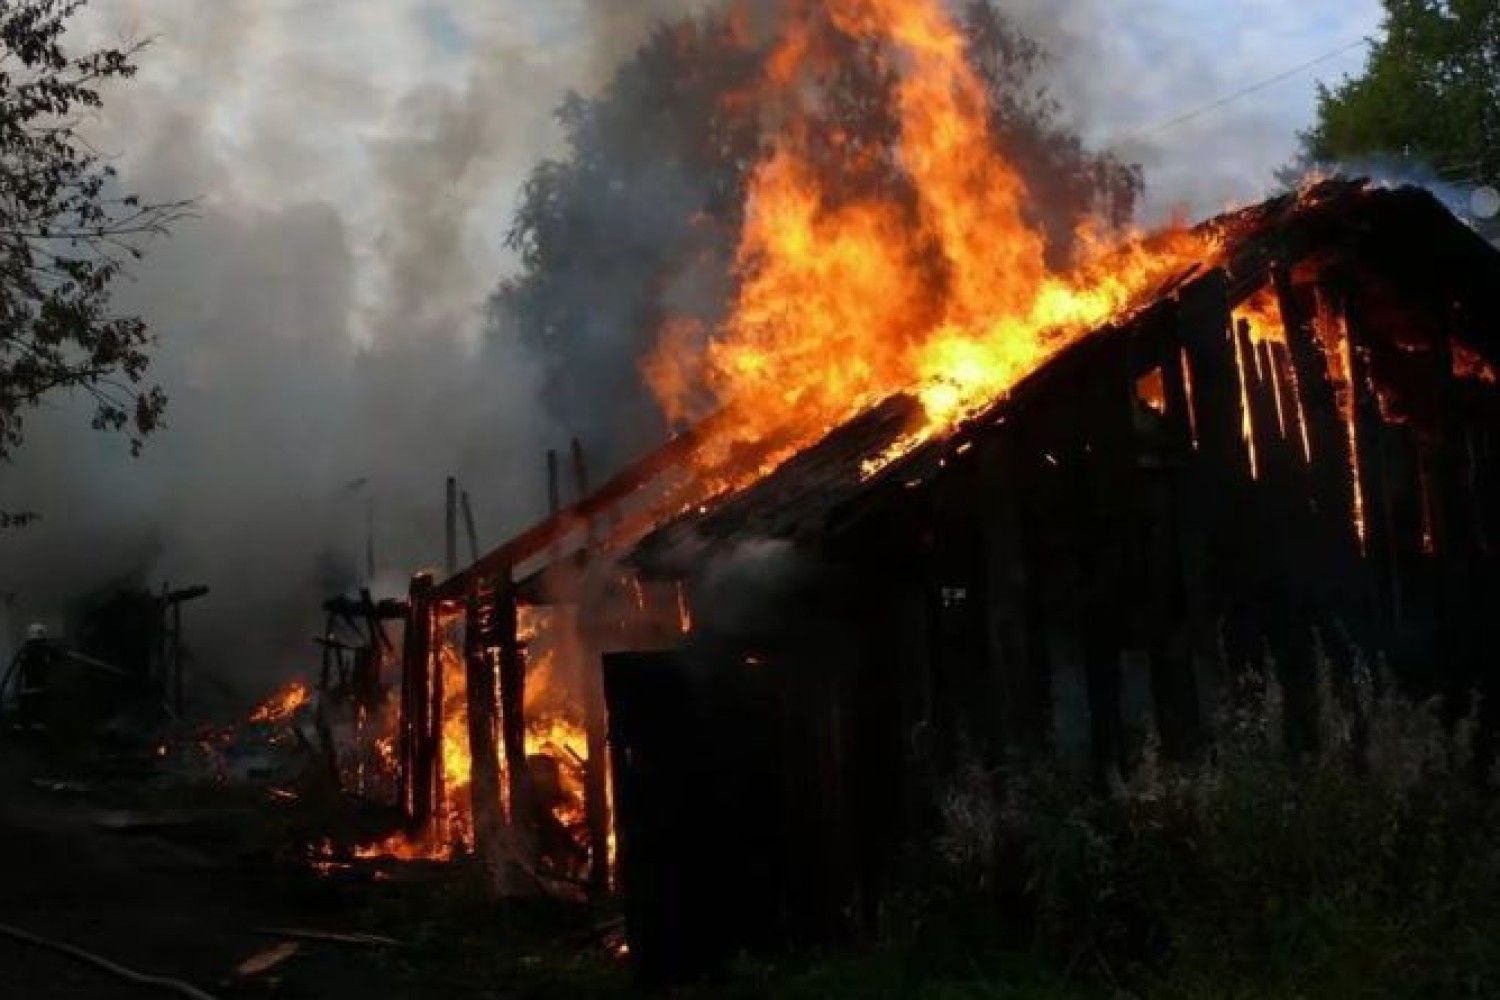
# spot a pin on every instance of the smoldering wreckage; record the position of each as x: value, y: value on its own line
x: 1059, y: 525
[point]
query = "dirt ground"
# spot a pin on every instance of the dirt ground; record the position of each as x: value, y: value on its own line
x: 180, y: 888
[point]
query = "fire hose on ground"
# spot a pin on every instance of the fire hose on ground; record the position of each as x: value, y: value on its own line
x: 99, y: 962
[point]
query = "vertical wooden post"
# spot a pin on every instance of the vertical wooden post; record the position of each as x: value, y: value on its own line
x: 484, y: 749
x: 512, y: 668
x: 416, y: 662
x: 1215, y: 490
x: 1273, y: 566
x: 450, y: 527
x: 1108, y: 481
x: 1175, y: 617
x: 580, y: 470
x: 178, y: 695
x: 436, y: 699
x: 1332, y: 490
x: 554, y: 486
x: 1331, y: 541
x: 367, y: 681
x: 162, y: 664
x: 1014, y: 631
x: 468, y: 512
x: 596, y: 768
x: 1380, y: 555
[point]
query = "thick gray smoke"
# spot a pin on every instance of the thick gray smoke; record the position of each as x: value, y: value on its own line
x: 358, y: 164
x: 318, y: 321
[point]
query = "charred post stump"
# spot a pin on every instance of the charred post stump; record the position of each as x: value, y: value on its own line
x: 481, y: 687
x: 512, y: 671
x: 419, y: 759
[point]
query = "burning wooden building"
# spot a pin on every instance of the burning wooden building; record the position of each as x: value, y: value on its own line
x: 1283, y: 458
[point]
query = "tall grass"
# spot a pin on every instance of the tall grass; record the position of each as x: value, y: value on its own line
x: 1369, y: 867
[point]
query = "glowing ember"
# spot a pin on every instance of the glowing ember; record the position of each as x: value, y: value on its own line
x: 283, y: 705
x: 943, y: 291
x: 684, y: 613
x: 1151, y: 390
x: 1468, y: 364
x: 1192, y: 400
x: 1247, y: 424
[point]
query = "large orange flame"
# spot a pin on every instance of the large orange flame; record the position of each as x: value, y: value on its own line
x: 942, y: 291
x: 554, y: 735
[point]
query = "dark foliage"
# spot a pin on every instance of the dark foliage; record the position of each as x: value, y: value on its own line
x: 66, y: 234
x: 1430, y: 93
x: 1368, y: 868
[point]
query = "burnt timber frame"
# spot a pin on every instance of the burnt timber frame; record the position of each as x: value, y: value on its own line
x: 1077, y: 568
x: 486, y: 598
x: 1074, y: 568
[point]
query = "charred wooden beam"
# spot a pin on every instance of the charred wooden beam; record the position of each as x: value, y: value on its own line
x: 539, y: 537
x: 1276, y: 614
x: 185, y: 594
x: 436, y: 695
x: 1328, y: 434
x: 450, y: 526
x: 1109, y: 484
x: 512, y: 676
x: 469, y: 529
x: 1216, y: 489
x: 481, y: 688
x: 1369, y: 478
x: 417, y: 758
x: 386, y: 610
x: 1173, y: 539
x: 1016, y: 634
x: 596, y: 767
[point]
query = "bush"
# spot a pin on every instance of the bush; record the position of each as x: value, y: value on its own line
x: 1370, y: 867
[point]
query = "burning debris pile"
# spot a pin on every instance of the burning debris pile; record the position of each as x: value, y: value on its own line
x: 554, y: 751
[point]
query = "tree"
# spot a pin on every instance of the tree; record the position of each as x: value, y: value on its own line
x: 1429, y: 94
x: 639, y: 220
x: 66, y: 233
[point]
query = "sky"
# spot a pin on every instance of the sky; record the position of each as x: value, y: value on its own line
x: 1129, y: 67
x: 356, y: 164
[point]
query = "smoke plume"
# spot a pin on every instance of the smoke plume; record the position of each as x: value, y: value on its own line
x: 320, y: 321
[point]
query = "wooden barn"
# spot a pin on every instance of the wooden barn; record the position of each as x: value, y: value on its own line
x: 1284, y: 462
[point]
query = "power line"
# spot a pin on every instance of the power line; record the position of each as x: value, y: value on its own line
x: 1254, y: 88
